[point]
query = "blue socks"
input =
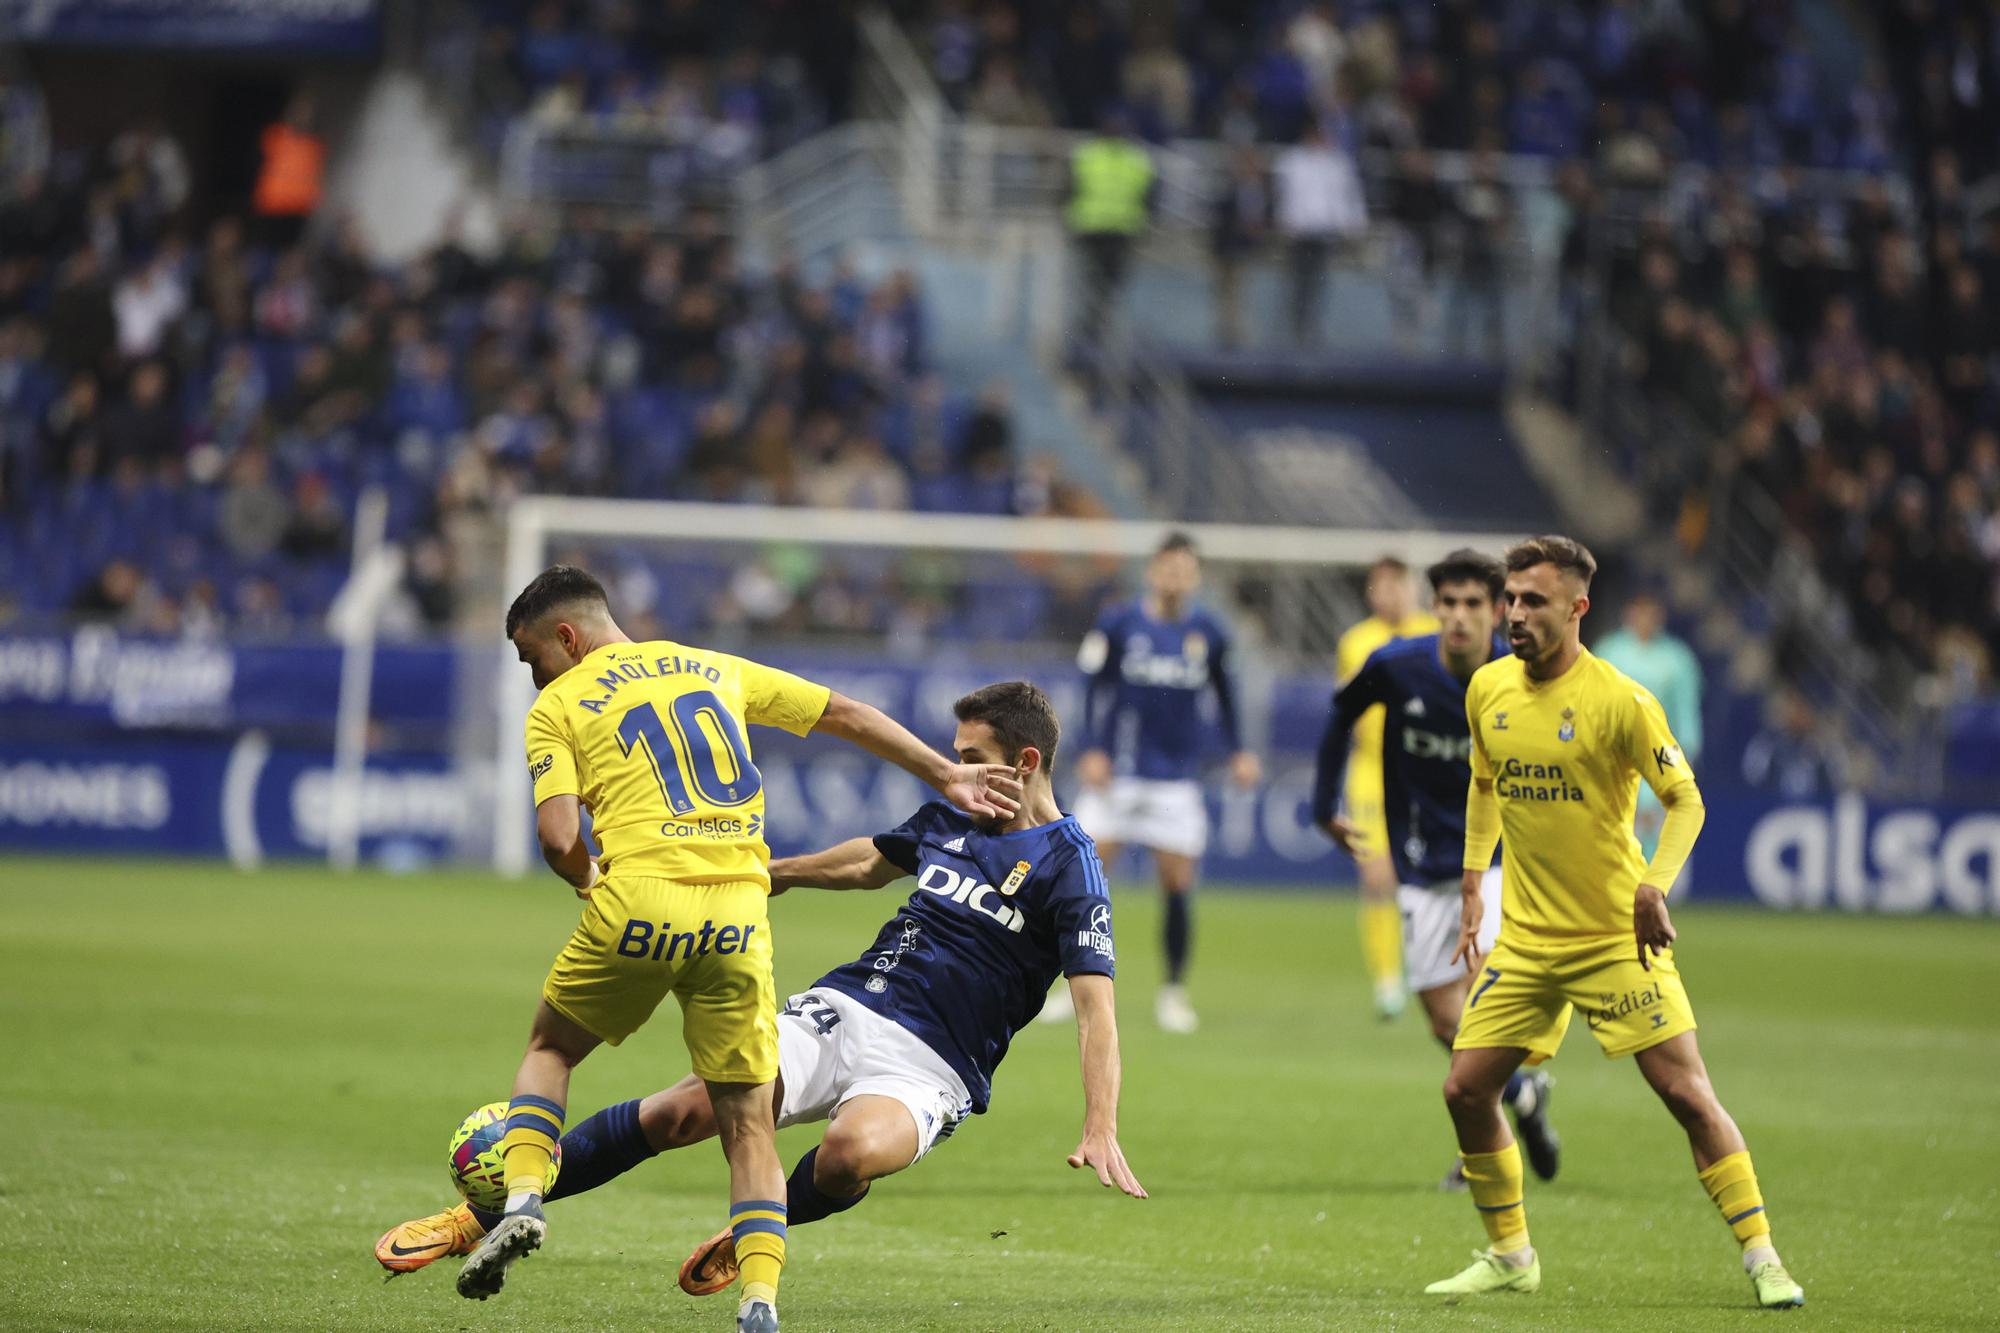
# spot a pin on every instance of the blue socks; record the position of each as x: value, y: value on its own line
x: 610, y: 1143
x: 804, y: 1201
x: 1180, y: 934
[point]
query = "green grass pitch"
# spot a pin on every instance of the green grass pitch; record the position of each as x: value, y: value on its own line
x: 219, y: 1089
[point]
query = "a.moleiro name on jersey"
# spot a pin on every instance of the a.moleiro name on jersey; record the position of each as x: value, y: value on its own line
x: 994, y: 920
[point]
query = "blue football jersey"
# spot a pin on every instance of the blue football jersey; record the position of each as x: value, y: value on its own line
x: 994, y: 920
x: 1142, y: 701
x: 1426, y: 755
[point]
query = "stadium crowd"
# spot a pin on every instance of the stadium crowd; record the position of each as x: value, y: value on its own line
x: 728, y: 82
x: 1640, y: 84
x: 1838, y: 359
x: 186, y: 417
x: 1818, y: 308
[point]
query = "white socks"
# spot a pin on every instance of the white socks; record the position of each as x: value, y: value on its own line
x: 1757, y: 1254
x: 518, y: 1197
x: 1520, y: 1258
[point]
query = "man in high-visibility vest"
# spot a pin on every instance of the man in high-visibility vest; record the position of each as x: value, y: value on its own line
x: 1110, y: 200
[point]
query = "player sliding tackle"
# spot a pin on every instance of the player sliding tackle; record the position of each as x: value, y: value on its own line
x: 1414, y: 689
x: 650, y: 736
x: 1560, y: 741
x: 897, y: 1047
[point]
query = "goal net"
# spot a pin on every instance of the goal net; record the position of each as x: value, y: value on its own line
x: 907, y: 611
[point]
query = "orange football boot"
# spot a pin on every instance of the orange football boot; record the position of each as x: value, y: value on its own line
x: 407, y: 1248
x: 712, y: 1267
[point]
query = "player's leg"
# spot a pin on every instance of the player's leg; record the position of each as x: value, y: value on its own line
x: 1516, y: 1012
x: 1675, y: 1071
x: 729, y: 1021
x: 1171, y: 821
x: 1381, y: 931
x: 595, y: 1151
x: 556, y: 1045
x: 1178, y: 871
x: 745, y: 1121
x: 1491, y: 1163
x: 891, y: 1100
x: 1430, y: 938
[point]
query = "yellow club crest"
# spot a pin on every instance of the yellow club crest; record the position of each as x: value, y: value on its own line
x: 1015, y: 880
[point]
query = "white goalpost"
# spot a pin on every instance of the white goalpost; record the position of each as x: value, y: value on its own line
x: 538, y: 524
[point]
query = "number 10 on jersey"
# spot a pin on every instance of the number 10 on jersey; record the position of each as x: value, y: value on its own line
x: 704, y: 737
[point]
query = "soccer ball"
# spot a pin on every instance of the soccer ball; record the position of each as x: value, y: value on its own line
x: 477, y: 1168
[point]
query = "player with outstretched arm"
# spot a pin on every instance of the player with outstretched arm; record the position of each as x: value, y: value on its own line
x: 896, y: 1048
x: 1416, y: 688
x: 1561, y: 740
x: 650, y: 737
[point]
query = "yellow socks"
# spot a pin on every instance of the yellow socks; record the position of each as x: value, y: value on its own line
x: 1732, y: 1183
x: 534, y: 1127
x: 1382, y: 942
x: 759, y: 1227
x: 1495, y: 1181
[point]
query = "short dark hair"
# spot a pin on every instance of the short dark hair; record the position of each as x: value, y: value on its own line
x: 1020, y: 715
x: 556, y: 586
x: 1176, y: 541
x: 1466, y: 565
x: 1565, y: 553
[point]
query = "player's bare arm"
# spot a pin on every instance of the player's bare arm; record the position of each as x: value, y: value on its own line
x: 978, y: 789
x: 1471, y: 911
x: 1097, y: 1042
x: 1654, y: 932
x: 854, y: 864
x: 559, y: 829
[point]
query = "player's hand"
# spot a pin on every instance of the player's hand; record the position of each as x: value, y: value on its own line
x: 1093, y: 768
x: 984, y: 789
x: 589, y: 881
x: 1343, y: 832
x: 1471, y: 911
x: 1650, y: 925
x: 1245, y: 769
x: 1100, y: 1151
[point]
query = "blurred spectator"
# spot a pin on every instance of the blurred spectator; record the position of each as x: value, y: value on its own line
x: 1003, y: 99
x: 253, y: 515
x: 1667, y: 668
x: 146, y: 304
x: 1242, y: 222
x: 1319, y: 209
x: 292, y: 175
x: 1110, y: 197
x: 1482, y: 214
x: 1793, y: 758
x: 145, y: 427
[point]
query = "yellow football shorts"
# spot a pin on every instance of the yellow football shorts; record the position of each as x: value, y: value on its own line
x: 709, y: 944
x: 1361, y: 803
x: 1523, y: 995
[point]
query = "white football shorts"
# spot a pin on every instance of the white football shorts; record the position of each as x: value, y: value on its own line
x: 1430, y: 929
x: 832, y: 1047
x: 1163, y: 815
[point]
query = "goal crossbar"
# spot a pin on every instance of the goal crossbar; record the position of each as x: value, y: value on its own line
x: 533, y: 522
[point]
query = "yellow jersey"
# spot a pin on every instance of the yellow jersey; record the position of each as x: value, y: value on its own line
x: 1350, y: 654
x: 1565, y: 758
x: 651, y: 737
